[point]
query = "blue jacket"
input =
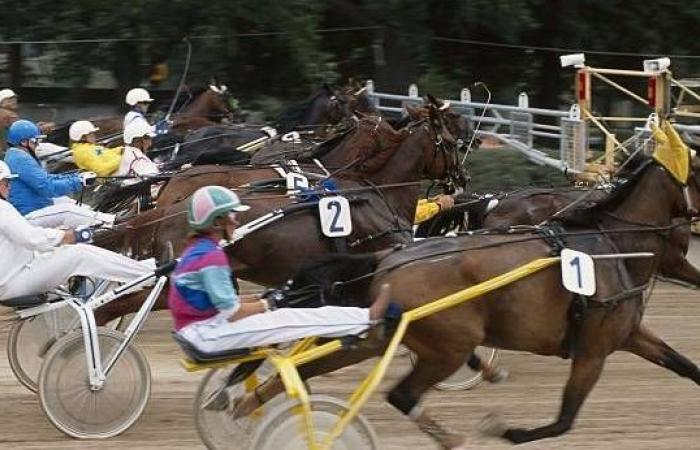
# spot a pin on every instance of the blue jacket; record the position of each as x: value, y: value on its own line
x: 35, y: 188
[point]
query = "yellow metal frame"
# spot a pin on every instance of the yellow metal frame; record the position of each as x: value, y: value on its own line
x: 305, y: 351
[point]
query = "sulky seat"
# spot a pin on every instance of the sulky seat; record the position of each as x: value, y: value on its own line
x: 26, y: 301
x: 204, y: 357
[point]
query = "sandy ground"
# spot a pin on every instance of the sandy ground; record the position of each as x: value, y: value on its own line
x: 634, y: 406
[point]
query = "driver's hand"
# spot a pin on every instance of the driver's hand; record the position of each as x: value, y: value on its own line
x: 445, y: 201
x: 68, y: 237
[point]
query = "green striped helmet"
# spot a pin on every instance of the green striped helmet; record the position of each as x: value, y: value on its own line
x: 210, y: 202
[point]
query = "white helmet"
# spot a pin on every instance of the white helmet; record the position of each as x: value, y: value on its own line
x: 7, y: 93
x: 5, y: 173
x: 80, y: 128
x: 137, y: 95
x: 137, y: 129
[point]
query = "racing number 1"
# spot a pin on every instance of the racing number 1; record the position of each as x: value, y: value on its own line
x: 577, y: 262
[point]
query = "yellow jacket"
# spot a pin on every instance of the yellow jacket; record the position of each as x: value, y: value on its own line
x: 425, y: 210
x: 95, y: 158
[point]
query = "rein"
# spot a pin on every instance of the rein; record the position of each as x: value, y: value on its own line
x: 505, y: 232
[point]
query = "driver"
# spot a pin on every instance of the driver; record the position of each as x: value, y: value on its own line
x: 35, y: 260
x: 209, y: 313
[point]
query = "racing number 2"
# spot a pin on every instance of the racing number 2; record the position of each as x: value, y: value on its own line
x: 334, y: 205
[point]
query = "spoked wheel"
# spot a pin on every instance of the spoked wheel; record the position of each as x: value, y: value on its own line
x: 283, y: 428
x: 214, y: 417
x: 74, y: 407
x: 30, y: 340
x: 465, y: 378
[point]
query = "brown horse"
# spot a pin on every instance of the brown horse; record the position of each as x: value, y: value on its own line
x: 534, y: 207
x: 382, y: 215
x: 535, y: 314
x: 207, y: 109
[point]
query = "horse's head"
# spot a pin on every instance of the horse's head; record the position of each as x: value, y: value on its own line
x: 220, y: 102
x: 353, y: 98
x: 449, y: 133
x: 692, y: 189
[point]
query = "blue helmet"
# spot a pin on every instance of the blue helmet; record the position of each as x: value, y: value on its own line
x: 21, y: 130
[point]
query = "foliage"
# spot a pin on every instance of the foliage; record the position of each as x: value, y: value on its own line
x: 273, y: 48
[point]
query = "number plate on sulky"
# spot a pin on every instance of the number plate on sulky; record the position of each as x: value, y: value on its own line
x: 335, y: 216
x: 577, y: 272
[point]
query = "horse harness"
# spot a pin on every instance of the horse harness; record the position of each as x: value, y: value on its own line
x: 552, y: 234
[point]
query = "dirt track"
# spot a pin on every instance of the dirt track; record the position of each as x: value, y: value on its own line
x: 634, y: 406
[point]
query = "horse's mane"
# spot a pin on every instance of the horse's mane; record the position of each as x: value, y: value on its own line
x: 115, y: 197
x: 326, y: 146
x: 589, y: 215
x: 384, y: 140
x: 295, y: 115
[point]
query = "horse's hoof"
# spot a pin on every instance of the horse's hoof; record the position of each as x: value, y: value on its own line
x: 492, y: 425
x: 497, y: 375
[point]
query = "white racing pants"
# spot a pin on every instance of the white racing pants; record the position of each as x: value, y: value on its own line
x: 282, y: 325
x: 50, y: 270
x: 66, y: 213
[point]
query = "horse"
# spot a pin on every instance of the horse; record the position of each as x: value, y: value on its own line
x: 207, y: 109
x: 536, y: 206
x: 382, y: 209
x: 535, y: 314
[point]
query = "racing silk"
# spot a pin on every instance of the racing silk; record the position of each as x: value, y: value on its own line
x: 133, y: 116
x: 96, y: 158
x: 425, y: 210
x: 201, y: 286
x: 35, y: 188
x: 134, y: 162
x: 20, y: 241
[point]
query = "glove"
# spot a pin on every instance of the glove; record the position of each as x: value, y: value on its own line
x: 163, y: 126
x: 275, y: 299
x: 88, y: 178
x: 83, y: 235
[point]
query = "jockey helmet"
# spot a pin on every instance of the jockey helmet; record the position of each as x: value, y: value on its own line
x: 210, y: 202
x: 6, y: 93
x: 21, y: 130
x: 80, y: 128
x: 137, y: 129
x: 137, y: 95
x: 5, y: 173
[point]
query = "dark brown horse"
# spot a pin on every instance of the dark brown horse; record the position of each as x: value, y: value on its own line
x: 536, y: 205
x: 382, y: 214
x: 207, y: 109
x: 535, y: 314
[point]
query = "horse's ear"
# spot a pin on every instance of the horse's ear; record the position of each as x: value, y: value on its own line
x: 433, y: 101
x: 223, y: 88
x: 215, y: 89
x: 413, y: 112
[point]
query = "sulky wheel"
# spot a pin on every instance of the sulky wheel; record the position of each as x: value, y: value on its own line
x: 30, y: 340
x: 213, y: 415
x: 79, y: 411
x: 465, y: 378
x: 283, y: 428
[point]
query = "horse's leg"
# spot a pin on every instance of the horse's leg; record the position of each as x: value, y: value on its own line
x: 683, y: 270
x: 426, y: 373
x: 642, y: 342
x: 585, y: 371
